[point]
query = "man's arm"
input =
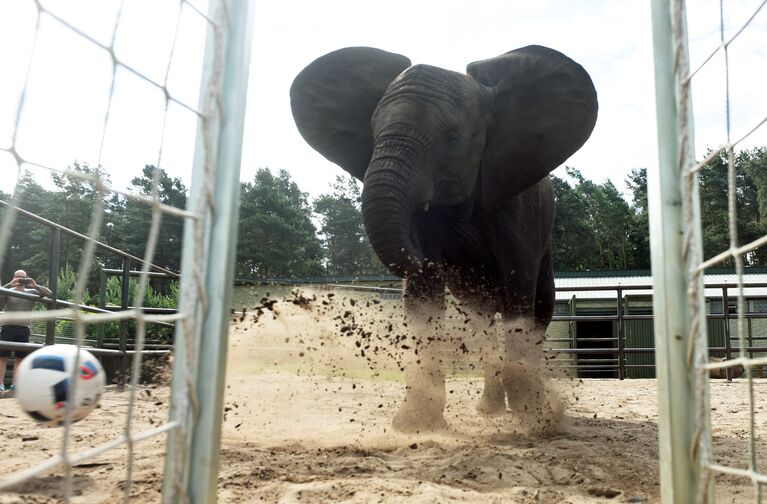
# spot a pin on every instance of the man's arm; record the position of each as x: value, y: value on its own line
x: 41, y: 289
x: 9, y: 285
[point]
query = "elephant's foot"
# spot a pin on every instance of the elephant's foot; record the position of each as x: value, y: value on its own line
x: 421, y: 411
x: 537, y: 407
x: 493, y: 400
x: 424, y: 402
x: 413, y: 420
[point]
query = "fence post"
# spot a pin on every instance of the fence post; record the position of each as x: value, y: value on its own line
x: 572, y: 330
x: 124, y: 303
x: 53, y: 282
x: 102, y: 305
x: 621, y: 340
x: 727, y: 335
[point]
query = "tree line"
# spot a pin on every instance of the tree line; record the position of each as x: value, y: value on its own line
x: 283, y: 233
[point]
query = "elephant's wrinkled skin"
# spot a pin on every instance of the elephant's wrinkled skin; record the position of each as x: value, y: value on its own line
x: 456, y: 193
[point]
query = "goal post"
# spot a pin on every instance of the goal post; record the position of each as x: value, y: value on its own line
x: 209, y: 252
x: 689, y: 463
x: 678, y: 300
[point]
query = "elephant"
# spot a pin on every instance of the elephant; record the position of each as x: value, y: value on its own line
x: 456, y: 195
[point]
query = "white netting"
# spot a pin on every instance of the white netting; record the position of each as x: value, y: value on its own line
x: 738, y: 124
x: 114, y: 84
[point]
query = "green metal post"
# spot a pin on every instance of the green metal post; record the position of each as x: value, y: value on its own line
x: 199, y: 437
x: 621, y: 338
x: 124, y: 303
x: 102, y: 305
x: 680, y: 464
x: 53, y: 282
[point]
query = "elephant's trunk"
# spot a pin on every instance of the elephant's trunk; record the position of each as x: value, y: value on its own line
x: 391, y: 194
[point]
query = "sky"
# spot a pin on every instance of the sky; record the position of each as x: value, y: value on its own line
x: 69, y: 86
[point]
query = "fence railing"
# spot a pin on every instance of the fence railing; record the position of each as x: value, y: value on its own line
x: 580, y: 359
x: 121, y: 349
x: 621, y: 350
x: 610, y: 356
x: 320, y: 279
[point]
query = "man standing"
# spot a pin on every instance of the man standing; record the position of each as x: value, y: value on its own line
x: 18, y: 331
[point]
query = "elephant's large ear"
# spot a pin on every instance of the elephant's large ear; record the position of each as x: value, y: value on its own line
x: 334, y: 98
x: 544, y: 109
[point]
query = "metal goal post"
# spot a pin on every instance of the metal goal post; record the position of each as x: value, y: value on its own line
x: 688, y: 465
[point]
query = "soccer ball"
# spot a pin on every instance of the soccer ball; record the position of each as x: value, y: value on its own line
x: 43, y: 384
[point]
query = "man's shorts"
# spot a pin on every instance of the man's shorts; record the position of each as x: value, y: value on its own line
x: 17, y: 334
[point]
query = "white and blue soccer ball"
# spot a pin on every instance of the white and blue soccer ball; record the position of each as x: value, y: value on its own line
x: 43, y: 384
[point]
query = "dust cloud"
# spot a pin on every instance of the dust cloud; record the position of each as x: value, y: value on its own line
x: 345, y: 334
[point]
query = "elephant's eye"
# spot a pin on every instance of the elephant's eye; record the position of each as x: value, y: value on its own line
x: 452, y: 140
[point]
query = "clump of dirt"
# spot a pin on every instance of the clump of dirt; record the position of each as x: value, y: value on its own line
x: 156, y: 369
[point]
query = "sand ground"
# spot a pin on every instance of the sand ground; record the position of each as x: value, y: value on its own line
x: 312, y: 435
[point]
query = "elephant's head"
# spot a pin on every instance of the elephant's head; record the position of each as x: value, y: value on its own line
x: 421, y: 136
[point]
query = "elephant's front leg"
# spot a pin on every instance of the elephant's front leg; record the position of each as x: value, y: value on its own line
x: 485, y: 334
x: 493, y: 399
x: 524, y: 377
x: 424, y: 403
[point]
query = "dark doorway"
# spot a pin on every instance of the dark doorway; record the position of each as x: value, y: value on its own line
x: 596, y: 334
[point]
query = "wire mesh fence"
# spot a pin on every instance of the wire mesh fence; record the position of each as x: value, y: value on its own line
x: 116, y: 86
x: 718, y: 55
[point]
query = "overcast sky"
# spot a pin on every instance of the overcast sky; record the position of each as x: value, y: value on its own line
x: 69, y: 84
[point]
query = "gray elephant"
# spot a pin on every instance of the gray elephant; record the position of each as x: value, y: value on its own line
x: 456, y: 194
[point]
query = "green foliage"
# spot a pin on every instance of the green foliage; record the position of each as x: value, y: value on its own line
x: 134, y: 233
x: 276, y: 234
x: 595, y: 228
x: 639, y: 228
x: 346, y: 247
x: 29, y: 244
x: 65, y: 288
x: 574, y: 241
x: 750, y: 203
x: 152, y: 298
x: 70, y: 204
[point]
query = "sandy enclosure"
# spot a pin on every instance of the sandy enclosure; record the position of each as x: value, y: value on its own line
x: 307, y: 420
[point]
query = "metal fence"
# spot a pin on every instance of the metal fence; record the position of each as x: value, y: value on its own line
x: 619, y: 349
x: 615, y: 355
x: 49, y: 331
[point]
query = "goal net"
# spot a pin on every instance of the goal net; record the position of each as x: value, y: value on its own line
x: 92, y: 93
x: 715, y: 55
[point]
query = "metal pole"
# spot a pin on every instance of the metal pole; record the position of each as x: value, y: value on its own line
x: 726, y: 321
x: 221, y: 254
x: 750, y: 338
x: 621, y: 339
x: 680, y: 464
x: 124, y: 303
x: 198, y: 440
x: 53, y: 282
x: 572, y: 329
x: 102, y: 305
